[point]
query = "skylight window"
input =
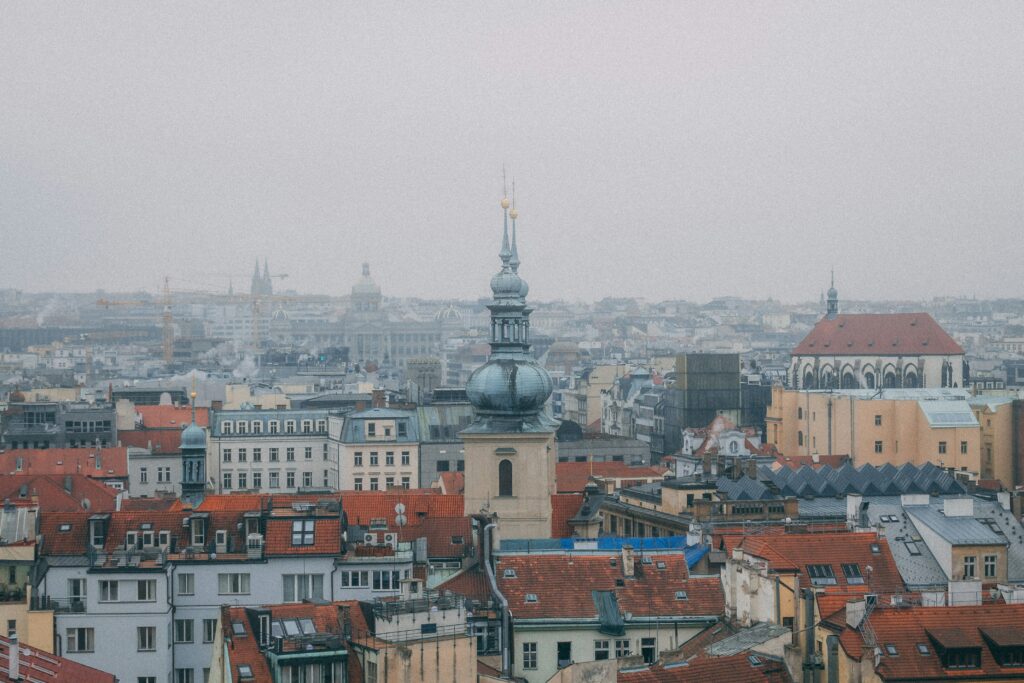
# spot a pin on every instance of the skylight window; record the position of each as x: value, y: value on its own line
x: 922, y: 649
x: 65, y: 527
x: 276, y: 630
x: 681, y: 595
x: 238, y: 628
x: 291, y: 627
x: 821, y: 574
x: 307, y: 626
x: 509, y: 574
x: 302, y: 532
x: 244, y: 671
x: 661, y: 565
x: 912, y: 548
x: 875, y: 549
x: 890, y: 649
x: 647, y: 559
x: 531, y: 597
x: 852, y: 574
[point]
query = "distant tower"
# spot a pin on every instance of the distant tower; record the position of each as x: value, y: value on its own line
x: 193, y: 460
x: 261, y: 282
x: 268, y: 284
x: 832, y: 307
x: 510, y: 447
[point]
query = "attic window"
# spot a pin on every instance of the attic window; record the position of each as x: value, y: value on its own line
x: 891, y: 650
x: 531, y: 597
x: 244, y: 671
x: 821, y: 574
x: 302, y: 532
x: 647, y: 559
x: 853, y: 575
x: 754, y: 660
x: 238, y: 628
x: 681, y: 595
x: 620, y: 582
x: 65, y: 527
x: 912, y: 548
x: 509, y: 574
x: 922, y: 649
x: 660, y: 565
x: 875, y: 549
x: 458, y: 540
x: 146, y: 526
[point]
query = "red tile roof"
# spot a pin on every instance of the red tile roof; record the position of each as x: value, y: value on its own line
x: 37, y: 665
x: 362, y: 506
x: 961, y: 627
x: 452, y: 482
x: 564, y: 583
x: 441, y: 532
x: 572, y: 477
x: 53, y: 496
x: 171, y: 417
x: 738, y: 668
x: 878, y: 334
x: 470, y: 583
x: 794, y: 552
x: 326, y: 537
x: 564, y: 507
x: 158, y: 440
x: 113, y: 461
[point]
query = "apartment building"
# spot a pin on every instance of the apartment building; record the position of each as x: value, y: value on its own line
x: 380, y: 450
x: 270, y: 451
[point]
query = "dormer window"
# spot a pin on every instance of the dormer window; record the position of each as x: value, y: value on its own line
x: 97, y: 533
x: 274, y: 426
x: 821, y: 574
x: 198, y: 531
x: 242, y: 426
x: 852, y: 574
x: 289, y: 426
x: 371, y: 429
x: 226, y: 427
x: 403, y: 429
x: 131, y: 540
x: 222, y: 537
x: 257, y: 427
x: 147, y: 539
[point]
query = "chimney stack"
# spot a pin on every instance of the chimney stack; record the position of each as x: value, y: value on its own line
x: 628, y: 567
x: 14, y: 659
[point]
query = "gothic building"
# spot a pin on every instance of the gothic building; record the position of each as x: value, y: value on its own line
x: 510, y: 447
x: 261, y: 283
x: 875, y: 351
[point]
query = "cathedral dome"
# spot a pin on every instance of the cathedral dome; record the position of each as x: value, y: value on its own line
x: 193, y: 437
x: 366, y: 284
x: 448, y: 314
x: 509, y: 387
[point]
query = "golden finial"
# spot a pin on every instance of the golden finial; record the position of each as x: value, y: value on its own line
x: 513, y: 214
x: 193, y: 395
x: 504, y: 202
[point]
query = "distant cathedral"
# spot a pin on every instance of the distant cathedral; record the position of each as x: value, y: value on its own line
x: 261, y: 283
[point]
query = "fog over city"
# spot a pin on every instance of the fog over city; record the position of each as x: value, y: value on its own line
x: 661, y: 150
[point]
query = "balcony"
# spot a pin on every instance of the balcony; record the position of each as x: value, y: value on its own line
x: 58, y: 605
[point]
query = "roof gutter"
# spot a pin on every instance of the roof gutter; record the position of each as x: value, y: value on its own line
x: 506, y: 634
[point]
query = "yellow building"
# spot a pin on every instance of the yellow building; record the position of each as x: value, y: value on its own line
x: 995, y: 420
x: 881, y: 426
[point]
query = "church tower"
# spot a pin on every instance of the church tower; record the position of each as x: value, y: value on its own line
x: 832, y: 307
x: 510, y: 447
x: 193, y: 460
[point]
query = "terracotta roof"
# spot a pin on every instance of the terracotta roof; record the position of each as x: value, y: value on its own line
x: 142, y: 504
x: 362, y: 506
x: 113, y: 461
x: 326, y: 537
x: 52, y: 495
x: 470, y: 583
x: 158, y: 440
x: 171, y: 417
x: 744, y: 667
x: 728, y: 537
x: 795, y: 552
x: 446, y: 536
x: 564, y: 507
x: 878, y: 334
x: 37, y: 665
x: 452, y: 482
x: 564, y: 586
x: 938, y: 627
x: 572, y: 477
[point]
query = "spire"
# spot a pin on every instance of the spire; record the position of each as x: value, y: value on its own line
x: 193, y: 397
x: 266, y: 270
x: 514, y: 214
x: 832, y: 305
x: 506, y: 253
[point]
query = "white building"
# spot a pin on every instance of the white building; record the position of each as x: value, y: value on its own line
x: 270, y: 451
x: 379, y: 449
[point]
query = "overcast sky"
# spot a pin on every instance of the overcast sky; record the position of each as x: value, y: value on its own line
x: 664, y: 150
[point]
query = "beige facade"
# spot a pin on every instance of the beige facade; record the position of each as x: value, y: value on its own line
x: 451, y: 658
x: 995, y: 419
x: 583, y: 404
x: 512, y: 476
x: 892, y: 426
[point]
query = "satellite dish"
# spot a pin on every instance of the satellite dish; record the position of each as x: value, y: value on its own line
x: 400, y: 509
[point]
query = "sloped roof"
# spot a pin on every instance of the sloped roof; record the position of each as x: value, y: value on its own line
x: 745, y: 667
x: 171, y: 417
x: 53, y: 495
x: 113, y: 461
x: 878, y: 334
x: 441, y: 534
x: 40, y: 666
x: 564, y: 586
x: 362, y: 506
x: 564, y: 507
x: 572, y: 477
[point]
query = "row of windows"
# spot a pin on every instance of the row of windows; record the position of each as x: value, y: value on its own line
x: 989, y: 566
x: 274, y: 454
x: 228, y: 480
x: 374, y: 458
x: 163, y: 475
x: 273, y: 426
x: 371, y: 429
x: 377, y: 579
x: 602, y: 650
x: 374, y: 483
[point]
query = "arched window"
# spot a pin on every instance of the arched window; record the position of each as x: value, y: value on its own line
x: 889, y: 382
x: 505, y: 478
x: 849, y: 381
x: 808, y: 380
x: 799, y: 438
x: 910, y: 380
x: 869, y: 380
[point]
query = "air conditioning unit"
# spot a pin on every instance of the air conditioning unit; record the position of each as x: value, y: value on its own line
x: 370, y: 539
x: 391, y: 540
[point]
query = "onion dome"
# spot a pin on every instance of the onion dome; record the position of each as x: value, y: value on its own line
x: 509, y: 388
x: 193, y: 437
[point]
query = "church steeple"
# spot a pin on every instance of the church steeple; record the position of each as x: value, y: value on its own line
x: 832, y: 307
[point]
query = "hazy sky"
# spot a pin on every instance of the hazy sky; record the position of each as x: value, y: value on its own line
x: 665, y: 150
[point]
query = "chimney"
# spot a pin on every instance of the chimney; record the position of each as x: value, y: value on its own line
x: 14, y: 659
x: 378, y: 399
x: 627, y: 561
x: 853, y: 501
x: 855, y: 610
x: 216, y: 405
x: 958, y: 507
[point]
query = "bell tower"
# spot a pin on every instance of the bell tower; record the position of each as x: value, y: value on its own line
x: 510, y: 447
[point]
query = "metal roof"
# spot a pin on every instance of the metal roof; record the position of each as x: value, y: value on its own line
x: 955, y: 530
x: 948, y: 413
x: 746, y: 639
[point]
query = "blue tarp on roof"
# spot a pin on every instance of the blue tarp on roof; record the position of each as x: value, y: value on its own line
x: 693, y: 553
